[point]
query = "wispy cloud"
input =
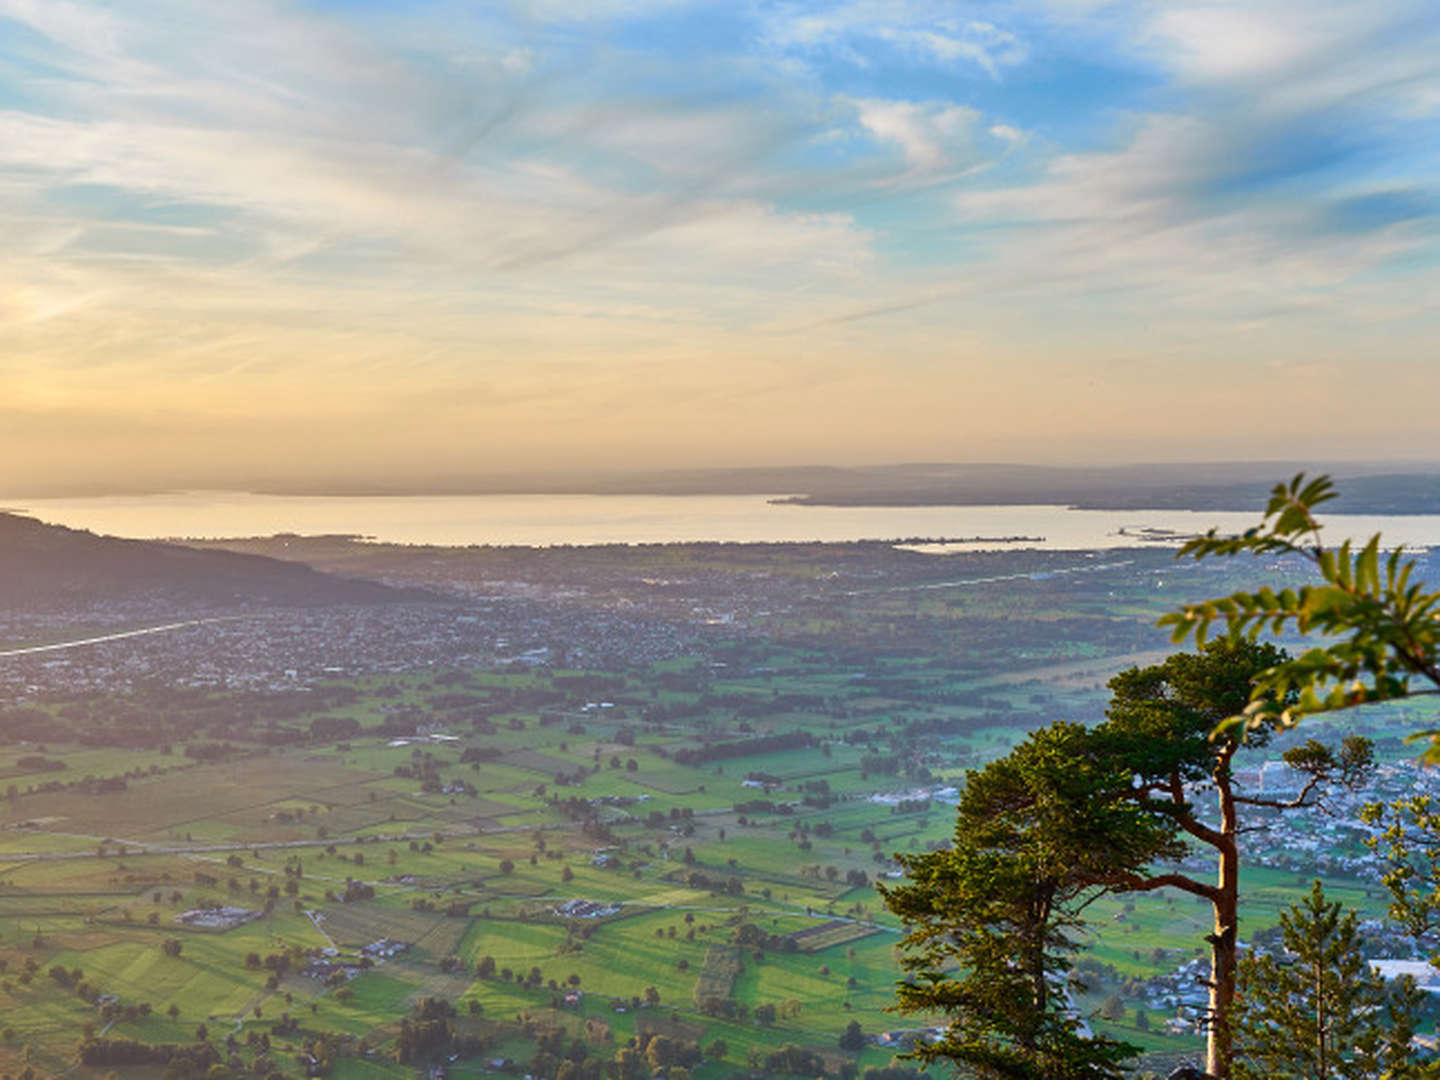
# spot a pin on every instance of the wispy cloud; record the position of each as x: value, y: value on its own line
x: 920, y: 31
x: 930, y: 136
x: 227, y: 209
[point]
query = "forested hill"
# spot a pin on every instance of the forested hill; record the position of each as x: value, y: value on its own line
x: 43, y: 565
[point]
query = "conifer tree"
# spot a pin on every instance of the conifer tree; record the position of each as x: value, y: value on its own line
x: 1074, y: 812
x: 991, y: 922
x: 1161, y: 725
x: 1319, y: 1012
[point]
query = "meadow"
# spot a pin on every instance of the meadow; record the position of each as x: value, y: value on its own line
x: 723, y: 817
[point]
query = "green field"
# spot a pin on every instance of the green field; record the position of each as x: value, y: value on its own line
x: 724, y: 822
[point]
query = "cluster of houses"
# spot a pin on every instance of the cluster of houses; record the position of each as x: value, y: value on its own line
x: 948, y: 794
x: 1425, y: 974
x: 384, y: 949
x: 326, y: 964
x: 906, y: 1038
x: 619, y: 800
x: 217, y: 918
x: 1181, y: 992
x: 430, y: 734
x: 326, y: 969
x: 586, y: 909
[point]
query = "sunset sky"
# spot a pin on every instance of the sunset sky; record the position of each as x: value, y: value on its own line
x: 383, y: 239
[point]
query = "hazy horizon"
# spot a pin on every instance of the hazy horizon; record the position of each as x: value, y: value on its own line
x: 1021, y: 479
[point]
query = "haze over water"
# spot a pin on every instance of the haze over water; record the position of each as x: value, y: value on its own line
x: 547, y: 520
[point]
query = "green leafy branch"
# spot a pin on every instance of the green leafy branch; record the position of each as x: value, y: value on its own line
x: 1382, y: 627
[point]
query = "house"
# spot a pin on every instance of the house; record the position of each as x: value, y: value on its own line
x: 1426, y: 976
x: 384, y: 948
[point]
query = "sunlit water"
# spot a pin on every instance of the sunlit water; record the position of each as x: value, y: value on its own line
x: 547, y: 520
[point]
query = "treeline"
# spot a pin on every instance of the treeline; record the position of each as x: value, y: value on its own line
x: 194, y: 1059
x: 763, y: 744
x: 427, y: 1033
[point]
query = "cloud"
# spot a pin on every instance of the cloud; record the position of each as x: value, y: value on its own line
x: 930, y: 135
x: 909, y: 30
x: 1226, y: 43
x: 339, y: 146
x: 278, y: 207
x: 1290, y: 56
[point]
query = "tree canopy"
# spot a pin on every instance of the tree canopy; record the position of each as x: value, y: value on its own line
x: 991, y: 922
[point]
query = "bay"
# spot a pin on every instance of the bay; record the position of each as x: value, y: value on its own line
x: 550, y: 520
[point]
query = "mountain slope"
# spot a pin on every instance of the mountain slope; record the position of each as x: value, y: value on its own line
x: 42, y: 565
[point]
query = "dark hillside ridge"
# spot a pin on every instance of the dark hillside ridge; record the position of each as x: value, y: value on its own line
x: 43, y: 565
x: 1394, y: 493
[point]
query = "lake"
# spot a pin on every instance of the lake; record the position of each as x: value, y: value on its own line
x: 547, y: 520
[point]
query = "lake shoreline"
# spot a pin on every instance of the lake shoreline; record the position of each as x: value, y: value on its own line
x: 602, y: 520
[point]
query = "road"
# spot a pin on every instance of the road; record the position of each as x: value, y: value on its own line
x: 120, y: 636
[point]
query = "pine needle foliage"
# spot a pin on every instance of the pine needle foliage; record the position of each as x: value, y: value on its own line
x: 992, y: 922
x: 1318, y: 1011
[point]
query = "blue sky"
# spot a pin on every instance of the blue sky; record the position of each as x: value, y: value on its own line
x: 436, y: 237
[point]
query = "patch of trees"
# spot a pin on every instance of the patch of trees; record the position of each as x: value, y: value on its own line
x: 194, y: 1060
x: 209, y: 752
x: 427, y: 1033
x: 102, y: 785
x: 763, y: 806
x: 764, y: 744
x: 881, y: 764
x: 39, y: 763
x: 590, y: 684
x: 25, y: 723
x: 665, y: 1052
x: 728, y: 1008
x: 329, y: 728
x: 698, y: 879
x: 401, y: 720
x: 852, y: 1038
x: 794, y: 1060
x: 753, y: 937
x: 455, y: 702
x: 910, y: 806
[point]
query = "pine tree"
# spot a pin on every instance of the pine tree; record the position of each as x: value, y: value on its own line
x: 1320, y: 1012
x: 1162, y: 724
x: 992, y: 922
x: 1075, y: 811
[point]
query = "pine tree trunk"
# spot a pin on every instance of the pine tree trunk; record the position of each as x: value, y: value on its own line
x: 1221, y: 1043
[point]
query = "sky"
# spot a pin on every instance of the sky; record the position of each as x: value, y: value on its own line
x: 360, y: 238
